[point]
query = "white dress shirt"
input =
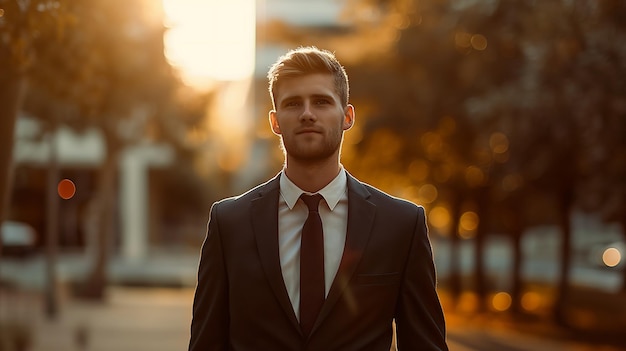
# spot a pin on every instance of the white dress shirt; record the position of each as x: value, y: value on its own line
x: 292, y: 213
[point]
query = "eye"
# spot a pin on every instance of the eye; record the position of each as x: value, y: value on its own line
x: 322, y: 102
x: 292, y: 103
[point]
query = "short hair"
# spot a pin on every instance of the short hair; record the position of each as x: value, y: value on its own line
x: 307, y: 60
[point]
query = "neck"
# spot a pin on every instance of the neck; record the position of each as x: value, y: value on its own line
x: 312, y: 177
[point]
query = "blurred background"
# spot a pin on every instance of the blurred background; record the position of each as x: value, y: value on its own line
x: 122, y: 121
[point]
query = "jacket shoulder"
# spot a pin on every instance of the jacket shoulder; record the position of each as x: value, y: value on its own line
x: 381, y: 198
x: 244, y: 199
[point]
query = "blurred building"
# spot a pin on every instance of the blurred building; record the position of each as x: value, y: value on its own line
x: 79, y: 156
x: 279, y: 23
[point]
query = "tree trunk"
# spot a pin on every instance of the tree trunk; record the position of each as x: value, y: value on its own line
x: 52, y: 228
x: 517, y: 286
x: 480, y: 280
x: 455, y: 262
x: 105, y: 207
x: 563, y: 287
x: 11, y: 94
x: 623, y: 288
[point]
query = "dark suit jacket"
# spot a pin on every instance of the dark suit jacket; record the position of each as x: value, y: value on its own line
x: 386, y: 272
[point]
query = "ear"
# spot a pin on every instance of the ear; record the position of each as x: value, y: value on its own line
x: 348, y: 118
x: 274, y: 122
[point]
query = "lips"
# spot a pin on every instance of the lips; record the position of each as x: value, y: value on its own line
x: 308, y: 130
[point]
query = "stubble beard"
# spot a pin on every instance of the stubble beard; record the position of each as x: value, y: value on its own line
x: 313, y: 154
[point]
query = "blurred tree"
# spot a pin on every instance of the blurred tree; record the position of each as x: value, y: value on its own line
x: 108, y: 70
x: 512, y: 110
x: 21, y: 24
x: 600, y: 91
x: 568, y: 94
x: 531, y: 119
x: 504, y: 75
x: 444, y: 63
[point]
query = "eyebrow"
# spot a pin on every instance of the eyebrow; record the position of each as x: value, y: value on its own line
x: 314, y: 96
x: 323, y: 96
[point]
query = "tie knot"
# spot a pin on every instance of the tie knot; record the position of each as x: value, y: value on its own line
x: 312, y: 201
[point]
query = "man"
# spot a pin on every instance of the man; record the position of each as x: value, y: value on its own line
x: 283, y: 272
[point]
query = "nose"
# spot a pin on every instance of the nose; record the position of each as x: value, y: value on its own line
x: 307, y: 113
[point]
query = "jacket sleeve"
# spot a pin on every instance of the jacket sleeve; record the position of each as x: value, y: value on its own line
x: 210, y: 321
x: 420, y: 323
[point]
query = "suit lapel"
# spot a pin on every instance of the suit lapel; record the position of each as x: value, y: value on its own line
x: 265, y: 223
x: 361, y: 214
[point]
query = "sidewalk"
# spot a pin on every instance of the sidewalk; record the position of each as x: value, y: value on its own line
x: 132, y: 319
x: 158, y: 319
x: 157, y: 269
x: 482, y: 333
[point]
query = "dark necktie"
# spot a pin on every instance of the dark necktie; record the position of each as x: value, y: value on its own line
x: 312, y: 292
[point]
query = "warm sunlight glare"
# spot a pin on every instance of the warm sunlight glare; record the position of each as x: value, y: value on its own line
x: 210, y: 40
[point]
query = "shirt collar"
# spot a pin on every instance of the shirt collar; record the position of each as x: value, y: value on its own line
x: 332, y: 193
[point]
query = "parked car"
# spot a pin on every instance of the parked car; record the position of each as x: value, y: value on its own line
x: 18, y: 238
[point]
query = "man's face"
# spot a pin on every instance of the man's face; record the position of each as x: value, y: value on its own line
x: 309, y: 117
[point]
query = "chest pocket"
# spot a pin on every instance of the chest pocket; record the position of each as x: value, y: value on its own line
x: 377, y: 279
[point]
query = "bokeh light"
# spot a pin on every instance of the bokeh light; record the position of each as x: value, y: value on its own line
x: 443, y: 173
x: 66, y: 189
x: 611, y: 257
x: 447, y: 126
x: 501, y: 301
x: 418, y: 170
x: 531, y: 301
x: 433, y: 144
x: 467, y: 224
x: 463, y: 39
x: 499, y: 143
x: 427, y: 193
x: 439, y: 217
x: 468, y: 302
x: 512, y: 182
x: 479, y: 42
x: 474, y: 176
